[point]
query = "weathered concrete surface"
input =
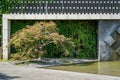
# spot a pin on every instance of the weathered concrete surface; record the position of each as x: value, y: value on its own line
x: 108, y: 39
x: 106, y: 28
x: 12, y: 72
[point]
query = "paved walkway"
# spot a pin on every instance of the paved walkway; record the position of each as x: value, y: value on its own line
x: 12, y: 72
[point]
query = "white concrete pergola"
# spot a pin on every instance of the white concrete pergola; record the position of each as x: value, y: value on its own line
x: 8, y: 17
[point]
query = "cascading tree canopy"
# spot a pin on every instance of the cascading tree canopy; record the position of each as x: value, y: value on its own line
x: 30, y: 41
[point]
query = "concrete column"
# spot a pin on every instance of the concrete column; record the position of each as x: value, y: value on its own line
x: 108, y: 39
x: 5, y: 38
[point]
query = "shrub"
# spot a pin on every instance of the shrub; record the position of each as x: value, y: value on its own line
x: 30, y: 41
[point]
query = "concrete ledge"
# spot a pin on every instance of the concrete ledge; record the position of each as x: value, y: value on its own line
x: 115, y: 16
x: 29, y: 16
x: 18, y: 16
x: 73, y: 16
x: 83, y: 16
x: 61, y: 16
x: 50, y: 16
x: 40, y: 16
x: 106, y: 16
x: 94, y: 16
x: 6, y: 23
x: 8, y: 17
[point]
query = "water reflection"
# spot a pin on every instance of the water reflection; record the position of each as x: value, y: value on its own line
x: 109, y: 68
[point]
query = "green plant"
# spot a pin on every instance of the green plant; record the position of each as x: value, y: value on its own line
x: 82, y: 33
x: 30, y: 41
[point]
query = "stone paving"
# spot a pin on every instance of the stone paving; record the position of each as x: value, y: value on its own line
x: 12, y: 72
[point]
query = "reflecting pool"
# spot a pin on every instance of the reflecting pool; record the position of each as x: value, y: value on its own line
x: 102, y: 68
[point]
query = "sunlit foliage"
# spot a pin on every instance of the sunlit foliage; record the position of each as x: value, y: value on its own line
x: 30, y: 41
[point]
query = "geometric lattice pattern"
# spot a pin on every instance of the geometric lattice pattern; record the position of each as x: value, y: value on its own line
x: 114, y: 40
x: 118, y: 50
x: 116, y: 45
x: 110, y: 41
x: 118, y: 30
x: 64, y: 6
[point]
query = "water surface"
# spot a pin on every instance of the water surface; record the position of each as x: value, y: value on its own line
x: 102, y: 68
